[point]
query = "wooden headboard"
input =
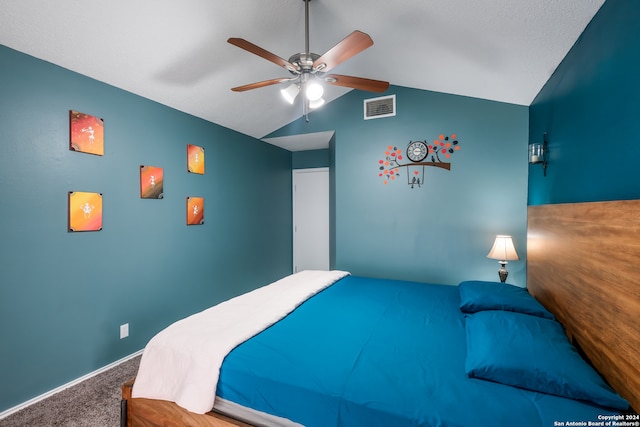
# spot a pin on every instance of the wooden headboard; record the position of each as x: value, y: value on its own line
x: 583, y: 264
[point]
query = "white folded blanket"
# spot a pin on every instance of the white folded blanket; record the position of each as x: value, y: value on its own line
x: 182, y: 363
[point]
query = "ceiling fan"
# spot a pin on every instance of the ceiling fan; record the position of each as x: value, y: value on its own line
x: 309, y: 69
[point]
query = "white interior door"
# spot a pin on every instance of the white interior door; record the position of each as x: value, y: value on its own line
x: 310, y: 219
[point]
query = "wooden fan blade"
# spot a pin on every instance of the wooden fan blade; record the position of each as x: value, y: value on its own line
x: 351, y: 45
x: 357, y: 83
x: 257, y: 85
x: 257, y: 50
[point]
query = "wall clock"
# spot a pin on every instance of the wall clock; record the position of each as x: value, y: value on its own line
x: 417, y: 151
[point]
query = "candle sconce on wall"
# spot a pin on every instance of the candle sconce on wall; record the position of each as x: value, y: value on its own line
x: 538, y: 153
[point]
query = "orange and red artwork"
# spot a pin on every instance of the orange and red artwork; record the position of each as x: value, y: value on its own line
x: 85, y: 211
x: 195, y: 159
x: 195, y: 210
x: 151, y: 182
x: 87, y: 133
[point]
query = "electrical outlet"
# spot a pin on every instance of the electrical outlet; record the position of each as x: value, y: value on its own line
x: 124, y: 330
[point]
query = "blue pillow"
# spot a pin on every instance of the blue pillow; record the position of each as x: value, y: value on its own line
x: 479, y: 296
x: 532, y: 353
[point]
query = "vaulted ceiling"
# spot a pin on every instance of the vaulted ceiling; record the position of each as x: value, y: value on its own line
x: 176, y: 52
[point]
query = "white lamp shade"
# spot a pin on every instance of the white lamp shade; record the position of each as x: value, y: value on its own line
x: 503, y: 249
x: 314, y: 91
x: 316, y: 104
x: 290, y: 92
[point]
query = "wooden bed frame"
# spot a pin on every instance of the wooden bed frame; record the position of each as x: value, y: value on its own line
x: 155, y: 413
x: 583, y: 264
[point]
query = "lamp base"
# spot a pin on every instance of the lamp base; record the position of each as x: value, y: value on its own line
x: 502, y: 272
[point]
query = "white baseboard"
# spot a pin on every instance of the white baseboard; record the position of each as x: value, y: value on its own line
x: 50, y: 393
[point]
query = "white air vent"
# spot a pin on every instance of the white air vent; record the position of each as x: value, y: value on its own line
x: 376, y: 108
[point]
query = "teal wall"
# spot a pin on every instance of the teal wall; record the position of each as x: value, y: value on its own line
x: 590, y: 109
x: 64, y: 295
x: 443, y: 231
x: 310, y: 159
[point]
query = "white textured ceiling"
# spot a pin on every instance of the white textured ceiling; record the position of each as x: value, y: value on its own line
x: 175, y: 52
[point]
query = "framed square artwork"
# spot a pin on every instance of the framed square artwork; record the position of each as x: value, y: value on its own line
x: 195, y: 210
x: 195, y: 159
x: 85, y: 211
x: 86, y: 133
x: 151, y: 182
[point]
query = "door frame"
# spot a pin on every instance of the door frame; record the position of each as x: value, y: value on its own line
x: 293, y: 204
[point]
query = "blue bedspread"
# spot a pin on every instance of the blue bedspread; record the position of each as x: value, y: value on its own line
x: 371, y: 352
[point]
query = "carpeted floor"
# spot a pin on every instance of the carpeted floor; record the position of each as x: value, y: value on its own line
x: 93, y: 403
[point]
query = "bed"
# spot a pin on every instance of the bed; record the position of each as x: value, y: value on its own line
x: 413, y: 349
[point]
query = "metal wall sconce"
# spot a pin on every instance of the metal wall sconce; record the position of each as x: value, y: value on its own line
x: 538, y: 153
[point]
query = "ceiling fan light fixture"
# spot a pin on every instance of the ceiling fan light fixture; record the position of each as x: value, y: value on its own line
x: 314, y: 91
x: 316, y: 104
x: 308, y: 68
x: 290, y: 92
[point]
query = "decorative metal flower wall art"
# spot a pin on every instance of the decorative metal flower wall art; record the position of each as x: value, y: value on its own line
x: 420, y: 154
